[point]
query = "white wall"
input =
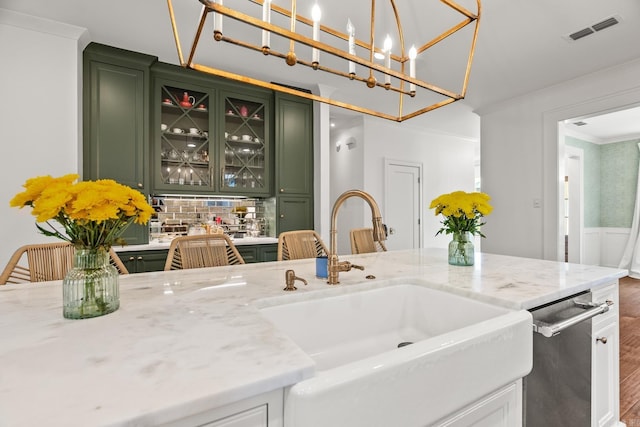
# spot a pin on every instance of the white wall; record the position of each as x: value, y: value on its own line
x: 447, y: 161
x: 40, y: 126
x: 520, y: 157
x: 347, y: 173
x: 447, y: 165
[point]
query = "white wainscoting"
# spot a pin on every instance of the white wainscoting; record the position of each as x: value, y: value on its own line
x: 604, y: 246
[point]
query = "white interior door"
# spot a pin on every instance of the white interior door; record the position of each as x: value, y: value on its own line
x: 402, y: 204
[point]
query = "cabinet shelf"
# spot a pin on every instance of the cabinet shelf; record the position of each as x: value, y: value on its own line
x: 188, y: 109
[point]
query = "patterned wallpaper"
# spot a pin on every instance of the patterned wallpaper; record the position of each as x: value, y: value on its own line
x: 610, y: 174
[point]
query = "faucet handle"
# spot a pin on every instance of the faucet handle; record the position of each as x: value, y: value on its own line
x: 290, y: 279
x: 358, y: 267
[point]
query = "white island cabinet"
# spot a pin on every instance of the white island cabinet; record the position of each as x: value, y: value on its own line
x: 190, y: 348
x: 260, y: 411
x: 605, y: 355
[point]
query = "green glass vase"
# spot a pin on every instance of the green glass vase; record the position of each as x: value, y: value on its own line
x: 461, y: 250
x: 91, y: 287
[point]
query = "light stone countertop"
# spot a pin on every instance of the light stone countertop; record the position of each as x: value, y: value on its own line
x: 156, y: 244
x: 187, y: 341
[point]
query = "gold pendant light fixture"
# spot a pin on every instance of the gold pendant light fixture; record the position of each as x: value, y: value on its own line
x: 398, y: 70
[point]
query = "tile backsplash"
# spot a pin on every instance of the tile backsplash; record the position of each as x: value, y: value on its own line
x: 175, y: 214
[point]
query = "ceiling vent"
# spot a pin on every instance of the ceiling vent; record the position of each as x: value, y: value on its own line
x: 599, y: 26
x: 580, y: 123
x: 580, y: 34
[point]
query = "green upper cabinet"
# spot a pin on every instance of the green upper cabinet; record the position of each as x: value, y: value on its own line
x: 294, y: 149
x: 208, y: 137
x: 245, y: 153
x: 116, y: 120
x: 294, y: 163
x: 185, y: 151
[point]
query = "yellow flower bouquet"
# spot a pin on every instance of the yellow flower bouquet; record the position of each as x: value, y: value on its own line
x: 463, y: 213
x: 93, y: 216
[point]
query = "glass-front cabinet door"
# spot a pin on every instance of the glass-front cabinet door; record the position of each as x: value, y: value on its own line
x: 186, y: 159
x: 245, y: 154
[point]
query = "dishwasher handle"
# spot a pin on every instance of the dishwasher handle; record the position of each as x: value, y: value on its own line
x: 550, y: 330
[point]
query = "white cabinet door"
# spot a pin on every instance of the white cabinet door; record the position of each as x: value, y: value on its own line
x: 264, y: 410
x: 500, y: 409
x: 605, y: 383
x: 256, y: 417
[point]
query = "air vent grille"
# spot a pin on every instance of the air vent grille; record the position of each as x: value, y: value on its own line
x: 599, y: 26
x: 580, y: 123
x: 580, y: 34
x: 605, y: 24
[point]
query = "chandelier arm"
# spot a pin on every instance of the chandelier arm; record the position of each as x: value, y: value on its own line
x: 328, y: 30
x: 309, y: 64
x: 460, y: 9
x: 174, y: 28
x: 445, y: 34
x: 471, y: 52
x: 279, y: 88
x: 326, y: 48
x: 401, y: 37
x: 429, y: 108
x: 372, y: 27
x: 196, y: 37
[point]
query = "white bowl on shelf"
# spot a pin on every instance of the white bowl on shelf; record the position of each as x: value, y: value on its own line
x: 246, y: 137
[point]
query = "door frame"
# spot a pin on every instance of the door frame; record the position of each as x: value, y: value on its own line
x: 389, y: 162
x: 578, y: 155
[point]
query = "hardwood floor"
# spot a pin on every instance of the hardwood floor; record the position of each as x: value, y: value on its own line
x: 630, y: 351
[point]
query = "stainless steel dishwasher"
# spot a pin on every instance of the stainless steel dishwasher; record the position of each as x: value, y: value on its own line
x: 557, y: 392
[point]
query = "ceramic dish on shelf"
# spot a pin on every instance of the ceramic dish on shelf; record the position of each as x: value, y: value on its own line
x: 234, y: 137
x: 246, y: 138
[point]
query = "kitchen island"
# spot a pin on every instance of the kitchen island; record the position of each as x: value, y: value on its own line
x: 186, y: 342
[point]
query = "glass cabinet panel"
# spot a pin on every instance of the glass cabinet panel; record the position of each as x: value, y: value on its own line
x: 185, y: 154
x: 244, y: 149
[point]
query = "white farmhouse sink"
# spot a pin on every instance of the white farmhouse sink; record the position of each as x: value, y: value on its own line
x: 462, y: 350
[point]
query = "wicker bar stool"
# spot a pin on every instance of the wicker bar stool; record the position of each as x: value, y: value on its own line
x: 300, y: 244
x: 362, y: 241
x: 206, y: 250
x: 44, y: 262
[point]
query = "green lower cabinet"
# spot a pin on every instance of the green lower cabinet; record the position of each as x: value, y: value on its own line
x: 268, y: 253
x: 144, y: 261
x: 249, y: 253
x: 258, y: 253
x: 154, y: 260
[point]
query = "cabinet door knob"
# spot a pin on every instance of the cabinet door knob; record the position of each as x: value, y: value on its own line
x: 282, y: 190
x: 281, y: 215
x: 140, y: 185
x: 131, y: 258
x: 139, y: 258
x: 603, y: 340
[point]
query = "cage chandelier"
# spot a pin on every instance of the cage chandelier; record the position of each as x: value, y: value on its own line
x: 403, y: 71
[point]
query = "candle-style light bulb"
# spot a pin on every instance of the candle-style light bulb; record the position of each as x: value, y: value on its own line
x: 387, y: 61
x: 413, y: 53
x: 316, y: 15
x: 266, y: 17
x: 351, y: 31
x: 217, y: 23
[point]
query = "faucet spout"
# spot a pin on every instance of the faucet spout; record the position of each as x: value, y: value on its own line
x: 379, y: 234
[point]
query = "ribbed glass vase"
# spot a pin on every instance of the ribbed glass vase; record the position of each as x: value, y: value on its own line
x: 461, y: 249
x: 91, y: 287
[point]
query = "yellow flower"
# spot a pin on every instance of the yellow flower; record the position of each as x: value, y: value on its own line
x: 462, y: 211
x: 93, y: 213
